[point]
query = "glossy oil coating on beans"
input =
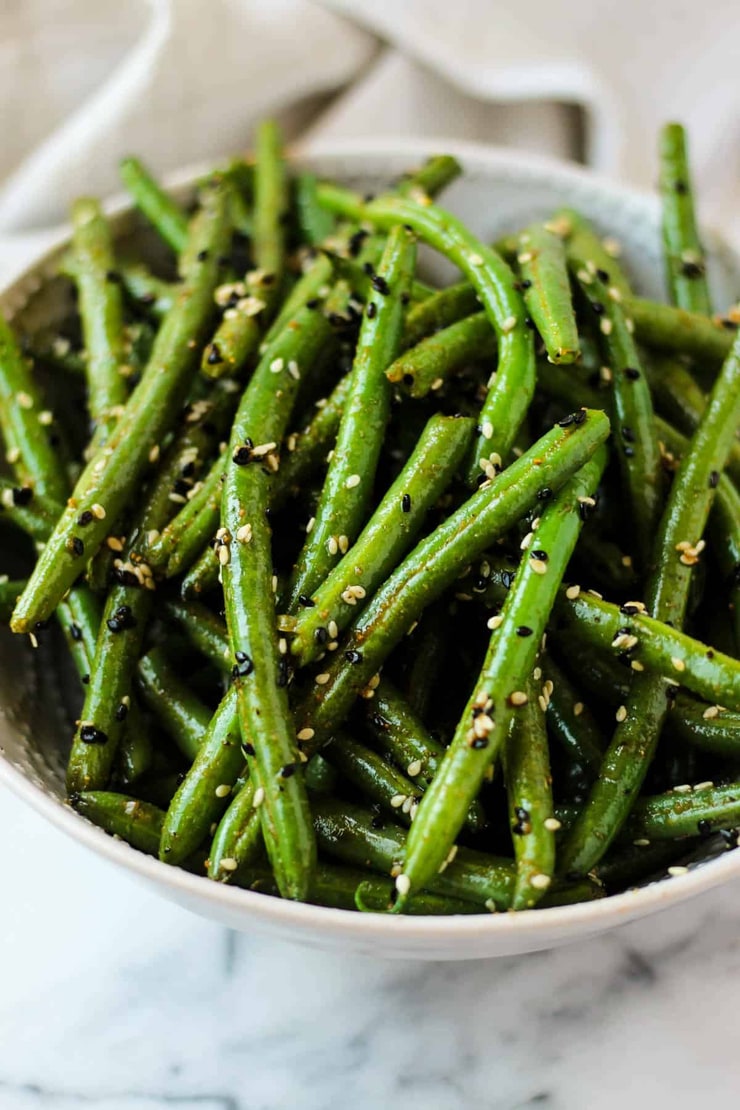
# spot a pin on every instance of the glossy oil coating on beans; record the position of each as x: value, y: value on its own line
x: 159, y: 208
x: 544, y: 270
x: 684, y: 256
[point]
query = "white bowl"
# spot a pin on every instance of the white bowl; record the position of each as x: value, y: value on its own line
x: 499, y: 191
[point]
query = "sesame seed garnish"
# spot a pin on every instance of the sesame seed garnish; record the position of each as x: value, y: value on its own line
x: 612, y: 246
x: 524, y: 258
x: 605, y: 325
x: 572, y: 592
x: 414, y: 768
x: 114, y: 543
x: 263, y: 449
x: 518, y: 698
x: 487, y: 429
x: 24, y: 400
x: 527, y: 541
x: 641, y: 842
x: 397, y: 800
x: 277, y: 365
x: 577, y: 708
x: 352, y: 481
x: 538, y: 566
x: 244, y: 534
x: 621, y: 714
x: 333, y: 629
x: 710, y: 712
x: 310, y: 524
x: 403, y: 884
x: 495, y: 622
x: 552, y: 824
x: 678, y: 664
x: 224, y: 555
x: 223, y: 790
x: 322, y: 679
x: 306, y: 734
x: 229, y: 864
x: 332, y: 545
x: 475, y: 260
x: 46, y: 417
x: 13, y: 456
x: 259, y: 797
x: 97, y: 511
x: 274, y: 583
x: 343, y: 542
x: 685, y: 788
x: 540, y: 882
x: 677, y: 870
x: 508, y: 324
x: 636, y: 665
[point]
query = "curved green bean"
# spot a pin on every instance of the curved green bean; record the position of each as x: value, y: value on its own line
x: 425, y: 367
x: 162, y: 212
x: 138, y: 823
x: 542, y: 264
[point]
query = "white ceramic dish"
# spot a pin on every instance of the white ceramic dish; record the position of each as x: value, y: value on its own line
x: 497, y: 192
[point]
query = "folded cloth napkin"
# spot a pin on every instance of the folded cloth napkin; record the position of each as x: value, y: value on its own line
x: 83, y: 82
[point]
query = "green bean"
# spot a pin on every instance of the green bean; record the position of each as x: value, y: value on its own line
x: 510, y: 394
x: 376, y: 896
x: 724, y: 535
x: 436, y: 562
x: 238, y: 838
x: 315, y: 223
x: 652, y: 644
x: 26, y: 426
x: 641, y: 719
x: 10, y: 588
x: 349, y: 481
x: 170, y: 698
x: 321, y: 778
x: 110, y: 478
x: 101, y: 314
x: 685, y: 264
x: 205, y: 631
x: 306, y: 450
x: 674, y: 329
x: 428, y: 653
x: 311, y: 286
x: 684, y: 812
x: 542, y: 264
x: 500, y: 688
x: 136, y: 748
x: 55, y: 351
x: 683, y: 402
x: 138, y: 823
x: 633, y: 419
x: 571, y: 722
x: 401, y: 737
x: 350, y: 834
x: 31, y: 512
x: 238, y: 335
x: 627, y: 867
x: 444, y: 308
x: 439, y: 171
x: 387, y: 536
x: 582, y: 242
x: 527, y: 774
x: 162, y: 212
x: 152, y: 293
x: 426, y: 366
x: 204, y: 793
x: 377, y: 781
x: 185, y: 536
x: 247, y: 573
x: 203, y: 575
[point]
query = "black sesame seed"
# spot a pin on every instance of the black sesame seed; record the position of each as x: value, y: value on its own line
x: 671, y: 693
x: 85, y: 518
x: 629, y: 452
x: 122, y: 619
x: 580, y: 417
x: 243, y: 455
x: 541, y: 555
x: 371, y: 310
x: 283, y: 671
x: 321, y: 636
x: 602, y: 275
x: 122, y: 712
x: 704, y: 826
x: 22, y: 495
x: 85, y: 680
x: 356, y: 241
x: 479, y: 742
x: 692, y: 269
x: 631, y: 373
x: 627, y: 434
x: 681, y: 188
x: 714, y: 479
x: 313, y: 303
x: 353, y: 656
x: 75, y: 632
x: 526, y: 284
x: 214, y: 354
x: 544, y: 494
x: 507, y: 578
x: 406, y: 503
x: 598, y: 307
x: 113, y: 275
x: 380, y: 285
x: 306, y: 601
x: 89, y: 734
x: 567, y: 420
x: 243, y: 666
x: 202, y: 256
x: 288, y: 770
x: 523, y: 630
x: 125, y: 577
x: 247, y: 748
x: 405, y: 298
x: 77, y: 546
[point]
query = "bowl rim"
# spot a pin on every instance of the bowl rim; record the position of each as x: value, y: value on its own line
x: 584, y: 918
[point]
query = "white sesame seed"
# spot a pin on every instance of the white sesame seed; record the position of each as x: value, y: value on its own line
x: 24, y: 400
x: 403, y: 884
x: 46, y: 417
x: 277, y: 365
x: 263, y: 449
x: 322, y: 679
x: 34, y: 640
x: 154, y: 453
x: 343, y: 542
x: 229, y: 864
x: 275, y: 583
x: 641, y: 842
x: 114, y: 543
x: 333, y: 629
x: 486, y: 429
x: 293, y: 370
x: 584, y: 276
x: 572, y: 592
x: 224, y: 555
x: 678, y: 663
x: 542, y: 702
x: 537, y: 674
x: 538, y: 566
x: 244, y: 534
x: 612, y: 246
x: 352, y: 481
x: 527, y: 541
x: 605, y: 326
x: 259, y: 797
x: 621, y: 714
x: 282, y: 645
x: 414, y: 768
x: 677, y: 870
x: 685, y: 788
x: 309, y: 526
x: 223, y: 790
x: 508, y: 324
x: 13, y: 455
x: 397, y: 800
x: 524, y: 258
x: 332, y: 546
x: 552, y: 824
x: 711, y: 712
x: 437, y: 384
x: 518, y: 698
x: 306, y: 734
x: 704, y: 785
x: 406, y: 807
x: 540, y: 882
x: 98, y: 511
x: 636, y: 665
x: 475, y: 260
x: 495, y: 622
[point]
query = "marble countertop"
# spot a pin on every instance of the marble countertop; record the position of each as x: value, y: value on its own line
x: 111, y: 999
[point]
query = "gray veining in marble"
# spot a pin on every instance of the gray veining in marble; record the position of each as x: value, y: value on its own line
x: 111, y: 999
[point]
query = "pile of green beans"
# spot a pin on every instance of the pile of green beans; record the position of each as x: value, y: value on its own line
x: 298, y: 451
